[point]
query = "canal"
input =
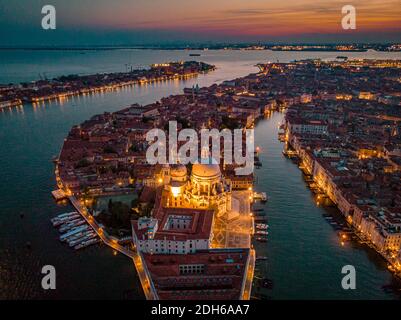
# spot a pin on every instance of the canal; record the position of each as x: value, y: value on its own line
x: 305, y: 254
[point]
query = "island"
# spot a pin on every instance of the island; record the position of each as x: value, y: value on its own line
x: 190, y: 229
x: 64, y: 86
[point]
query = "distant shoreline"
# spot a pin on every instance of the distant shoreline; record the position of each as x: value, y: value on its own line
x: 14, y: 95
x: 305, y: 48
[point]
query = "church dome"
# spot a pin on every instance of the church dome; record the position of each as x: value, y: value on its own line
x: 206, y: 169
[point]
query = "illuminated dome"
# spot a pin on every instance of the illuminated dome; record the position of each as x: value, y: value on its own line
x: 206, y: 169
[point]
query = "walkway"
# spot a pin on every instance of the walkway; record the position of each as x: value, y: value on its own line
x: 143, y: 274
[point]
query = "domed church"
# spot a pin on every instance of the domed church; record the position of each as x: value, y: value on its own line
x: 205, y: 188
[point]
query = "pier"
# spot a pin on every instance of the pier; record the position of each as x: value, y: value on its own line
x: 143, y: 273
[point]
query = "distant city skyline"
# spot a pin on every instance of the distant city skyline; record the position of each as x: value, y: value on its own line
x: 143, y: 22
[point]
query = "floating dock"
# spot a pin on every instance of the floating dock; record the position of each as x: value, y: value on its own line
x: 59, y: 195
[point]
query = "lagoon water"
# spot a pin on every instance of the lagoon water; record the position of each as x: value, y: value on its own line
x: 304, y: 254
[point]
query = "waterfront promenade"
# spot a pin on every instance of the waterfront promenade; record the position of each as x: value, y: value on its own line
x: 143, y: 274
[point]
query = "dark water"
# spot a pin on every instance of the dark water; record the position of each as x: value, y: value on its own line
x: 305, y: 258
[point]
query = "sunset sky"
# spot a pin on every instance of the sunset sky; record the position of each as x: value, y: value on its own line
x: 159, y: 21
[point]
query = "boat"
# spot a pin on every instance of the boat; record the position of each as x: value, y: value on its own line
x: 266, y: 283
x: 71, y: 225
x: 82, y: 239
x: 78, y: 235
x: 261, y: 258
x: 86, y: 243
x: 58, y: 223
x: 261, y: 226
x: 66, y: 214
x: 260, y: 196
x: 65, y: 236
x: 264, y: 233
x: 261, y: 239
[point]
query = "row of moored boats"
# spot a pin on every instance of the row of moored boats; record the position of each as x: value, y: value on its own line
x: 74, y: 230
x: 261, y: 232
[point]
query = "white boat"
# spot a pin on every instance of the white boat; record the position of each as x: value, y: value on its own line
x: 66, y: 214
x: 59, y: 221
x: 86, y: 243
x: 70, y: 225
x: 262, y: 233
x: 79, y: 235
x: 262, y: 225
x: 65, y: 236
x: 82, y: 239
x: 260, y: 196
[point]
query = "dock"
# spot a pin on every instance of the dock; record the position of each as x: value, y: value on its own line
x: 142, y: 271
x: 59, y: 195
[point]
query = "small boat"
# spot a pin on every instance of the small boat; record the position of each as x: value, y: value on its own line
x: 59, y: 221
x: 66, y: 214
x: 82, y: 239
x: 263, y: 233
x: 65, y: 236
x: 71, y: 225
x: 78, y: 235
x: 260, y: 196
x: 261, y: 239
x: 86, y: 243
x: 261, y: 226
x: 258, y: 163
x: 260, y: 258
x: 266, y: 283
x: 261, y: 229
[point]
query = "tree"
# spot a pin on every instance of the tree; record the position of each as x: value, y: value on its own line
x: 82, y: 163
x: 109, y: 149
